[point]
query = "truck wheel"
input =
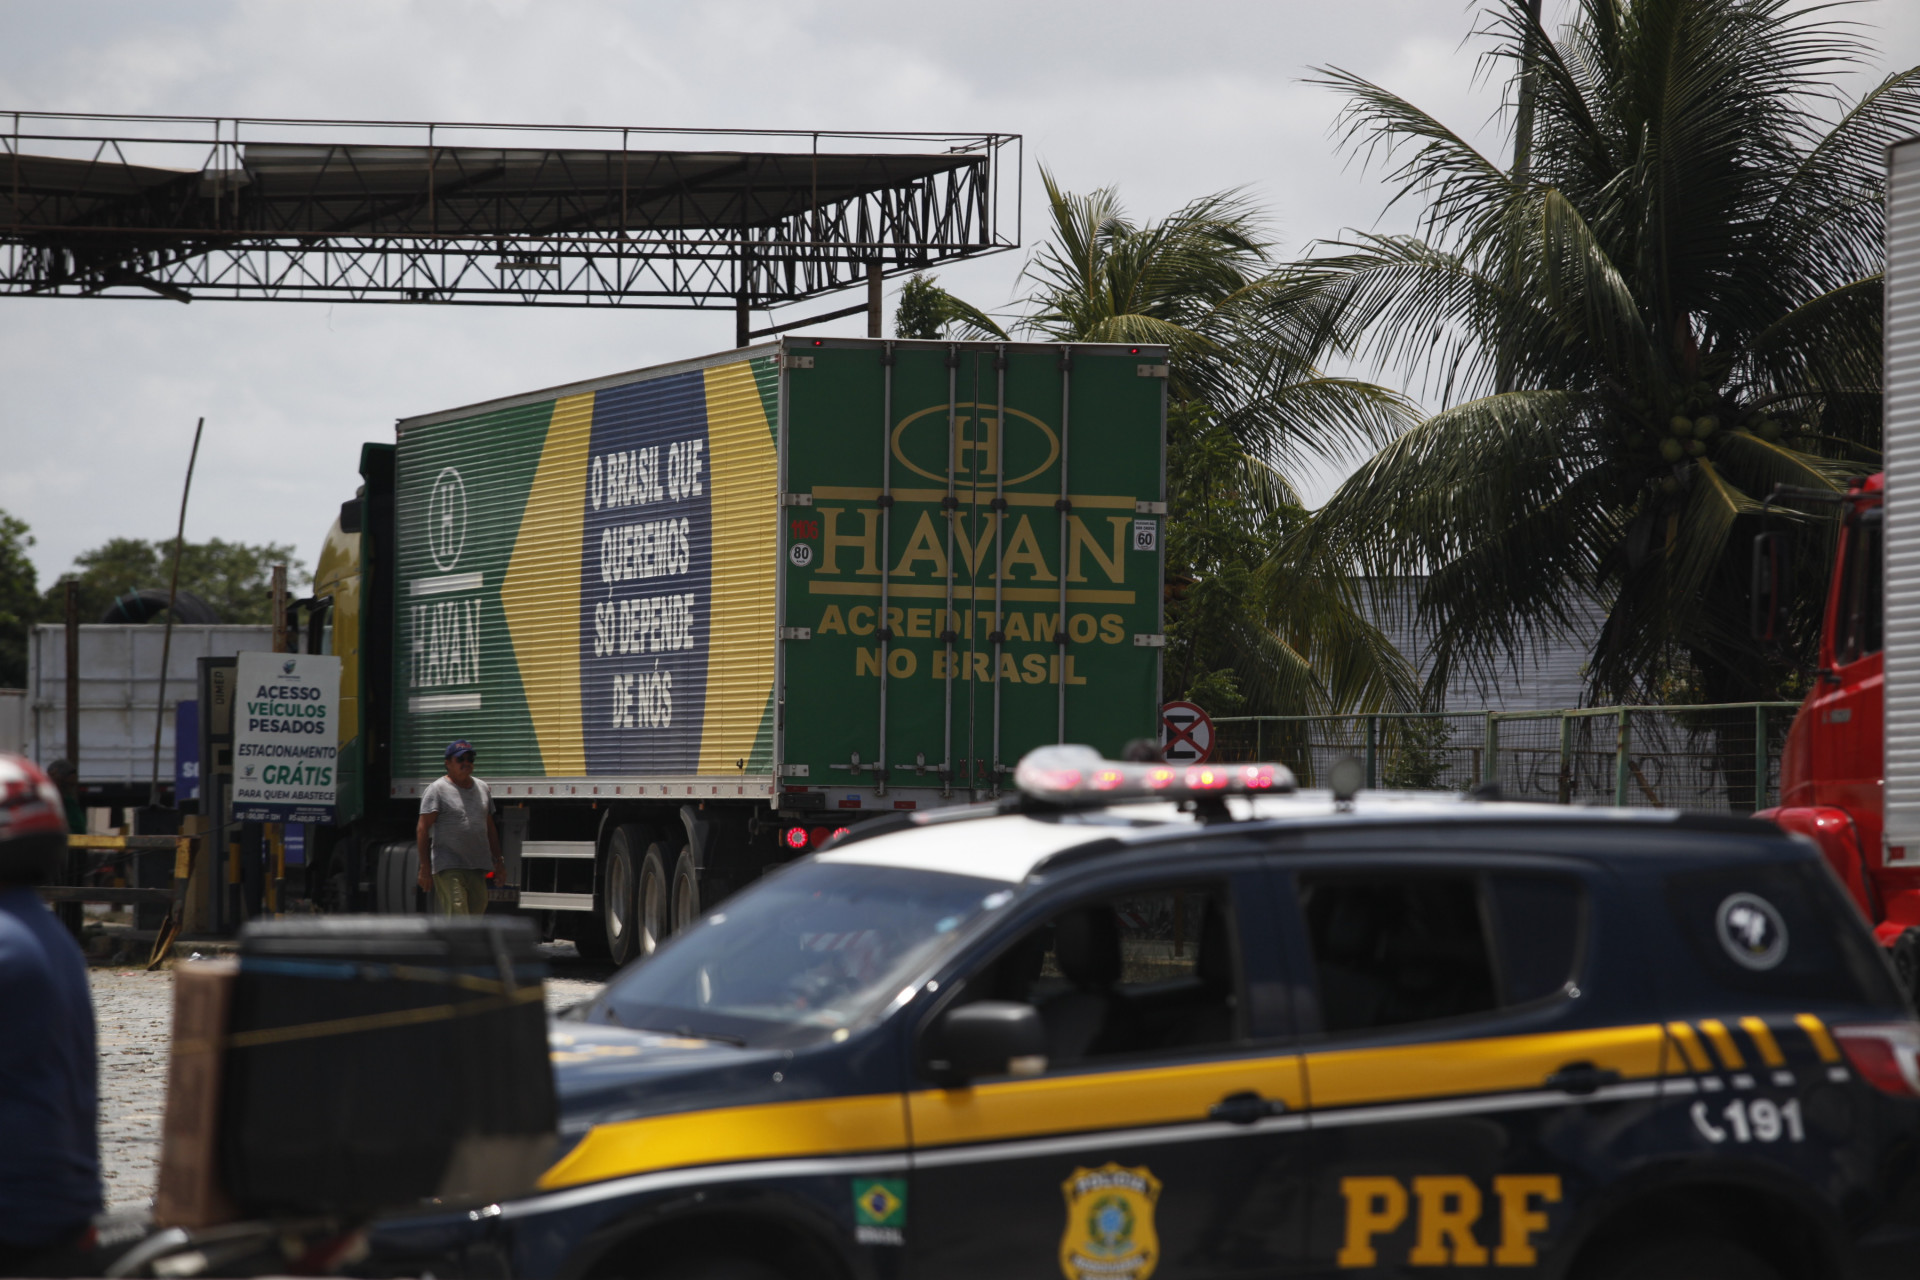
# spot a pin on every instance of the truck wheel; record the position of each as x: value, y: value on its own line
x: 656, y: 902
x: 617, y: 892
x: 587, y: 934
x: 397, y: 879
x: 1906, y: 964
x: 686, y: 891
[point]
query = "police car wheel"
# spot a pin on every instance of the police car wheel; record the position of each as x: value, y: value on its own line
x: 715, y: 1269
x: 1684, y: 1258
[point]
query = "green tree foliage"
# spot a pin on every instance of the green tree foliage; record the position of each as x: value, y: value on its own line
x: 1416, y: 755
x: 19, y: 600
x: 919, y: 314
x: 1247, y: 336
x: 928, y: 311
x: 1673, y: 305
x: 1250, y: 629
x: 236, y: 579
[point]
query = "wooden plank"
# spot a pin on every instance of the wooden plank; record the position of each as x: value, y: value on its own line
x: 121, y: 842
x: 125, y: 897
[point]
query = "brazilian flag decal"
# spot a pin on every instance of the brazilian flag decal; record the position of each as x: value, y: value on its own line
x: 880, y: 1202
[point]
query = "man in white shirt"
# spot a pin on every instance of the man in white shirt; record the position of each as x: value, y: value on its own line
x: 457, y: 839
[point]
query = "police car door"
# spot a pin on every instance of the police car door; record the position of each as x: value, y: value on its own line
x: 1163, y: 1134
x: 1475, y: 1069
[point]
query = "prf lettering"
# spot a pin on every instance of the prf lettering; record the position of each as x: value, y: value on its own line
x: 1445, y: 1210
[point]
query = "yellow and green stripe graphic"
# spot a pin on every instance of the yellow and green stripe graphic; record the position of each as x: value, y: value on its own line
x: 586, y: 584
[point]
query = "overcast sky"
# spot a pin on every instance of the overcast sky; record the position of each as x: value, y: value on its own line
x: 1166, y: 101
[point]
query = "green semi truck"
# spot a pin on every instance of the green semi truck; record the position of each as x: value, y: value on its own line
x: 697, y: 617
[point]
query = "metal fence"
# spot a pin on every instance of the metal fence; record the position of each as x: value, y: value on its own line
x: 1724, y: 757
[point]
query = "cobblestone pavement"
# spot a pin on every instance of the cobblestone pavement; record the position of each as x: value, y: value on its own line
x: 133, y: 1014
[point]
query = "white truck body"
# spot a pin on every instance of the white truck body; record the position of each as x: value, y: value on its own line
x: 1901, y: 444
x: 119, y: 692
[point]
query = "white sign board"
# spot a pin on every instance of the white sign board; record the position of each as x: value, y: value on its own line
x: 286, y: 737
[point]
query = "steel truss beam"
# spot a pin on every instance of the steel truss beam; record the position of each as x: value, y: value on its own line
x: 425, y: 213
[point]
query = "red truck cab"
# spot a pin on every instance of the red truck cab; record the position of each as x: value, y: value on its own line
x: 1832, y: 770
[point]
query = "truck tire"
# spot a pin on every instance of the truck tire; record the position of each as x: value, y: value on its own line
x: 655, y: 894
x: 686, y: 891
x: 618, y: 897
x: 396, y: 887
x: 1906, y: 964
x: 588, y: 934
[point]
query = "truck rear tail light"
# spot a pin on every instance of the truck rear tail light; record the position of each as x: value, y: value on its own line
x: 1886, y: 1054
x: 839, y: 831
x: 796, y: 837
x: 817, y: 836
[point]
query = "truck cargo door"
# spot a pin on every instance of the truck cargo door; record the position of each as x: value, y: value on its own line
x: 864, y: 574
x: 960, y: 585
x: 1068, y: 598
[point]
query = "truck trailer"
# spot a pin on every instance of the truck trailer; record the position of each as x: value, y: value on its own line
x: 697, y: 617
x: 1850, y: 769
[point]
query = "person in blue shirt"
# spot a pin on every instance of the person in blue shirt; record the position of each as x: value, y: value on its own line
x: 49, y: 1081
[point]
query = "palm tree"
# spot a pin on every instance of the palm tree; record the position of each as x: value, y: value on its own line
x: 1668, y: 305
x: 1249, y: 403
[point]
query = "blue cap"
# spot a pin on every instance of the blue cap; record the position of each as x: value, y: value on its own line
x: 457, y: 746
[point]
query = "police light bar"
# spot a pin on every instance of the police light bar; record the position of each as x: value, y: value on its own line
x: 1075, y: 773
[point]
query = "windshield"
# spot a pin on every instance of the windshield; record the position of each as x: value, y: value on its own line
x: 801, y: 954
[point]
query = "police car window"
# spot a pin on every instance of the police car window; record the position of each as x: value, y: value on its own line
x: 1540, y: 925
x: 1860, y: 629
x: 800, y: 955
x: 1394, y: 947
x: 1778, y: 934
x: 1142, y: 972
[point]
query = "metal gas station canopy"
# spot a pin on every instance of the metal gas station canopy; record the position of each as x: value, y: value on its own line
x: 503, y: 215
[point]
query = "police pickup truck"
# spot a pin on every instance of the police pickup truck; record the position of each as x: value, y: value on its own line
x: 1149, y: 1020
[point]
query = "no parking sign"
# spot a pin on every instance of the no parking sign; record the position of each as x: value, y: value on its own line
x: 1186, y: 734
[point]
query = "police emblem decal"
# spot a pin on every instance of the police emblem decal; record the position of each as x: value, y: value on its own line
x: 1110, y: 1232
x: 880, y: 1210
x: 1751, y: 931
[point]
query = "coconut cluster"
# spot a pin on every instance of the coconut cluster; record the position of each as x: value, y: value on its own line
x: 1699, y: 412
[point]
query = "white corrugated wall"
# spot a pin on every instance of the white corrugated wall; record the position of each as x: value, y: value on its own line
x: 119, y: 682
x: 1555, y: 676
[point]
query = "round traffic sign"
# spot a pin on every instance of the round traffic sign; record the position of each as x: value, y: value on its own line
x: 1186, y: 734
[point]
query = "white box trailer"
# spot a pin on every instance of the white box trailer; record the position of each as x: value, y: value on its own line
x: 119, y: 690
x: 13, y: 720
x: 1901, y: 446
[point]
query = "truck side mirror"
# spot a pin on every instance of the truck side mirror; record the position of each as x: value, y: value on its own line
x: 986, y: 1038
x: 1771, y: 587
